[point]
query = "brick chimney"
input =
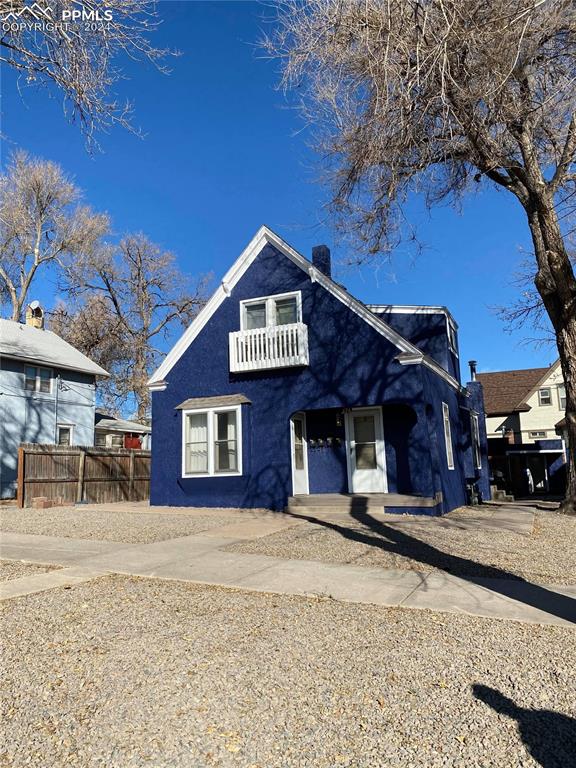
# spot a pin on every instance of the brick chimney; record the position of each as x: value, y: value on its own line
x: 35, y: 315
x: 321, y: 259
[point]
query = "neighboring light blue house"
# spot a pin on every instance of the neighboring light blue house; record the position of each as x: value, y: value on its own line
x: 47, y: 392
x: 287, y: 386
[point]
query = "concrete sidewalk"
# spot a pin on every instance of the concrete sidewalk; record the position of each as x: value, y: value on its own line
x: 199, y: 558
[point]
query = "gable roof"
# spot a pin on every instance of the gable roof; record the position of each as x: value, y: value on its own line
x: 36, y: 345
x: 507, y: 391
x: 410, y: 354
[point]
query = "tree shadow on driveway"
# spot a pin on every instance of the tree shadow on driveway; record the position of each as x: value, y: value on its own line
x: 549, y: 737
x: 385, y: 537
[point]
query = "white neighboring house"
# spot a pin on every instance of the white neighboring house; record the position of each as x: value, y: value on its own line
x: 524, y: 405
x: 112, y: 432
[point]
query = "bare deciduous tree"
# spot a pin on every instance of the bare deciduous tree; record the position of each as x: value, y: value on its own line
x: 79, y: 57
x: 124, y: 300
x: 41, y: 224
x: 430, y: 96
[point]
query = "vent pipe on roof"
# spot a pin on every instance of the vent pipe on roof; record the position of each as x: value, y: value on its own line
x: 472, y: 364
x: 321, y: 259
x: 35, y: 315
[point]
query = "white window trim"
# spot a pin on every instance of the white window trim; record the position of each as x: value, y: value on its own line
x: 538, y: 434
x: 211, y: 411
x: 476, y: 450
x: 449, y: 445
x: 64, y: 426
x: 269, y: 301
x: 452, y: 341
x: 547, y: 389
x: 37, y: 390
x: 562, y: 407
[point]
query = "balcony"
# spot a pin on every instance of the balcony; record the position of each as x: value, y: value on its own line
x: 277, y: 346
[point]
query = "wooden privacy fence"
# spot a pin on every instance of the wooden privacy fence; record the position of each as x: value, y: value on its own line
x: 75, y: 474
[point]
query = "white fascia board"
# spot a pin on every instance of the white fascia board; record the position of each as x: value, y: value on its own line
x: 412, y: 309
x: 235, y: 273
x: 224, y: 290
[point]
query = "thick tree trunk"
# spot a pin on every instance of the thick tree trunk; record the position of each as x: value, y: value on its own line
x: 566, y: 340
x: 556, y: 284
x: 140, y: 379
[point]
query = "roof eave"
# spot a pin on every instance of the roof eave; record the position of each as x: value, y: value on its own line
x: 52, y: 364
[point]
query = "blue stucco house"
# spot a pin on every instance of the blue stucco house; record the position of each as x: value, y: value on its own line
x: 47, y: 392
x: 286, y: 388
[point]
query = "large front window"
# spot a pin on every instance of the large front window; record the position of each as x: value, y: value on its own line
x: 212, y: 442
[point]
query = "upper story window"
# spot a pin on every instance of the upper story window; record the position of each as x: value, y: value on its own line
x: 452, y: 337
x: 562, y: 396
x: 283, y: 309
x: 37, y: 379
x: 545, y: 396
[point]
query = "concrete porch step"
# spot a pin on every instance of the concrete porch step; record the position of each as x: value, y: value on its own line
x: 344, y: 502
x: 500, y: 495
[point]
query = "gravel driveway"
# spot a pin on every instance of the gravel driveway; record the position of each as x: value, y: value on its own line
x: 109, y: 524
x: 123, y: 672
x: 547, y: 556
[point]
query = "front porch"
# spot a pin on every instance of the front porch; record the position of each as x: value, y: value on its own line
x: 363, y: 458
x: 356, y: 503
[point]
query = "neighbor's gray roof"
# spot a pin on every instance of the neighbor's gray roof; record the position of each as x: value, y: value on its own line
x: 121, y: 425
x: 38, y: 346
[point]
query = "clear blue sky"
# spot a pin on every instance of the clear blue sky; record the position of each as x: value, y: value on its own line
x: 224, y: 153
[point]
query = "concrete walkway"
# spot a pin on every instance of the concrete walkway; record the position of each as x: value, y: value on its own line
x: 200, y: 558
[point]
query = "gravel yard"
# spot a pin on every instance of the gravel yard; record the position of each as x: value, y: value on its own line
x: 547, y: 556
x: 123, y: 672
x: 109, y: 524
x: 13, y: 569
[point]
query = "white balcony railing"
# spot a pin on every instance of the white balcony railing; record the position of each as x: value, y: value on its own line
x: 279, y: 346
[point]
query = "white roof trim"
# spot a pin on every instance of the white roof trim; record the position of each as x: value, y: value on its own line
x: 235, y: 273
x: 409, y: 309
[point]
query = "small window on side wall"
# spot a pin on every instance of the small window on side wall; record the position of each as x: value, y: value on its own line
x: 452, y: 337
x: 64, y: 436
x: 448, y: 435
x: 476, y: 441
x: 37, y: 379
x: 545, y: 396
x: 562, y: 397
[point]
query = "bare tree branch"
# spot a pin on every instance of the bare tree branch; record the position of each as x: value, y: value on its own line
x: 41, y: 223
x: 123, y: 298
x: 82, y: 59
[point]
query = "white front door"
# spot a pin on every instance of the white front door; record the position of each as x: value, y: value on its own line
x: 366, y: 456
x: 299, y: 454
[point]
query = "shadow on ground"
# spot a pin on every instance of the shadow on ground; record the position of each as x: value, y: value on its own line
x: 549, y: 737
